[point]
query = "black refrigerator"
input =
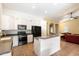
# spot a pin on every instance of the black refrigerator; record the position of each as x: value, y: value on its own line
x: 36, y: 31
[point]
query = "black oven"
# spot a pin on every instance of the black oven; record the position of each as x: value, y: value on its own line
x: 22, y: 35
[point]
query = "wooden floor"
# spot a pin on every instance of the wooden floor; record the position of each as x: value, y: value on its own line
x: 67, y: 49
x: 24, y: 50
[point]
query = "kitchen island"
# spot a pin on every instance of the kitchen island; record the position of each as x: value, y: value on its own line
x: 47, y: 45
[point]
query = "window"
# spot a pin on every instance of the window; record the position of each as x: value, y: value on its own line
x: 66, y: 29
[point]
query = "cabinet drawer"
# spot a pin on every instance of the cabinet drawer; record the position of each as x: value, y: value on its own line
x: 29, y: 38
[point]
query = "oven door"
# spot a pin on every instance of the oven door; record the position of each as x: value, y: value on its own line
x: 22, y: 40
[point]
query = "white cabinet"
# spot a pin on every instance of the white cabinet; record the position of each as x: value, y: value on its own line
x: 1, y: 12
x: 7, y: 22
x: 15, y: 41
x: 29, y: 38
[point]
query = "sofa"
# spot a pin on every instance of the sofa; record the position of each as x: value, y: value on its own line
x: 73, y: 38
x: 63, y: 35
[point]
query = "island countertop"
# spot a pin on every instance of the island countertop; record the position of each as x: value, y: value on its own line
x: 46, y: 37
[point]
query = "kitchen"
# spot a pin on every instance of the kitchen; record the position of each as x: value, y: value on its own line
x: 18, y: 37
x: 11, y: 19
x: 23, y: 36
x: 9, y: 24
x: 21, y: 28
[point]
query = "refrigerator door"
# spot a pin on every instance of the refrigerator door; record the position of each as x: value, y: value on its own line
x: 36, y: 31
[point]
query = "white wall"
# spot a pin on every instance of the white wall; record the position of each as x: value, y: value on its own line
x: 44, y: 24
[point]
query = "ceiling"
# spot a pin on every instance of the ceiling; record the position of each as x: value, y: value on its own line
x: 53, y: 10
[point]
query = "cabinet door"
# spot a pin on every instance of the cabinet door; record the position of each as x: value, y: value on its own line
x: 1, y: 12
x: 29, y: 38
x: 55, y: 43
x: 15, y: 41
x: 7, y: 22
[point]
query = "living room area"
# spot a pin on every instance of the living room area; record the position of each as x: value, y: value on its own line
x: 69, y: 36
x: 70, y: 30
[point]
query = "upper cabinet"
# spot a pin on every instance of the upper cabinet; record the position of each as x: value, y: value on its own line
x: 1, y: 12
x: 8, y: 22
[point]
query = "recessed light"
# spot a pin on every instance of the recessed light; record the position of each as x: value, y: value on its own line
x: 55, y: 3
x: 33, y: 6
x: 45, y: 11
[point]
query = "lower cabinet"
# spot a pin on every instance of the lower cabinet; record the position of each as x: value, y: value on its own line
x: 29, y: 38
x: 15, y: 41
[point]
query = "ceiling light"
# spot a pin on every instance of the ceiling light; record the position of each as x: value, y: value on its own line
x: 33, y: 6
x: 55, y: 3
x: 45, y: 12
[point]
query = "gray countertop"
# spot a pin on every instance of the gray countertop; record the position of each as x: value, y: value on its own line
x: 8, y: 35
x: 15, y: 32
x: 46, y: 37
